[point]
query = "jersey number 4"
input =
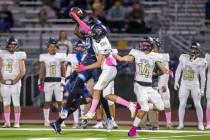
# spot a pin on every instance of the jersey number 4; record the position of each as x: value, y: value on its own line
x: 143, y: 69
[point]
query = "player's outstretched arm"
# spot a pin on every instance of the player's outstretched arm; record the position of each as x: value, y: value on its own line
x: 22, y: 71
x: 97, y: 64
x: 78, y: 33
x: 126, y: 58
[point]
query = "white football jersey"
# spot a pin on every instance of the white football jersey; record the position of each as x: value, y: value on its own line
x: 10, y: 68
x: 145, y: 64
x: 52, y: 63
x: 103, y: 47
x: 191, y: 69
x: 163, y: 79
x: 74, y: 62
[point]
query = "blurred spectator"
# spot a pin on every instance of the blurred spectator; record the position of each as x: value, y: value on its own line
x: 207, y: 9
x: 136, y: 22
x: 6, y: 19
x: 98, y: 11
x: 46, y: 12
x: 116, y: 17
x: 65, y: 45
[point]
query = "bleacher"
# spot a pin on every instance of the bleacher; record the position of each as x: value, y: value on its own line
x: 176, y: 22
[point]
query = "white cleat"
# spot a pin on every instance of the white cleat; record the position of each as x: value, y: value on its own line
x: 63, y: 124
x: 75, y: 126
x: 201, y: 127
x: 6, y: 125
x: 99, y: 125
x: 207, y: 126
x: 180, y: 127
x: 169, y: 125
x: 114, y: 124
x: 16, y: 125
x: 132, y: 108
x: 47, y: 124
x: 88, y: 116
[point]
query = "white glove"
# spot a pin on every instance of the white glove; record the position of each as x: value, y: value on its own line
x: 176, y: 86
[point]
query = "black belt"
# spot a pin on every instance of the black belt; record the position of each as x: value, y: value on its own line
x: 52, y: 79
x: 146, y: 84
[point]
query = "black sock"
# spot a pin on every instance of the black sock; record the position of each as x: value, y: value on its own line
x: 81, y: 101
x: 105, y: 106
x: 72, y: 95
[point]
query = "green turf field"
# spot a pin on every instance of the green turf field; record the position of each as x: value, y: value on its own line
x: 37, y: 132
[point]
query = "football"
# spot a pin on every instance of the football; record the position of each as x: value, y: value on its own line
x: 79, y: 12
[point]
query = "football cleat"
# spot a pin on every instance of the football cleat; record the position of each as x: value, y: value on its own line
x: 88, y: 116
x: 180, y: 127
x: 56, y: 127
x: 6, y: 125
x: 109, y: 125
x: 98, y: 125
x: 84, y: 124
x: 207, y: 126
x: 132, y: 132
x: 16, y: 125
x: 201, y: 127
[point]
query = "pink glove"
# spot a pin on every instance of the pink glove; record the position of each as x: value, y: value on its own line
x: 81, y: 68
x: 170, y: 72
x: 84, y: 26
x: 41, y: 88
x: 111, y: 61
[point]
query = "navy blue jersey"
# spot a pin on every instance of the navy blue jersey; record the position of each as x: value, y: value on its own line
x: 90, y: 57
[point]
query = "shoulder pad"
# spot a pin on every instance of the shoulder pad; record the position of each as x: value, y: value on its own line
x: 201, y: 61
x: 166, y: 57
x: 21, y: 55
x: 114, y: 51
x: 207, y: 57
x: 61, y: 56
x: 42, y: 57
x: 183, y: 57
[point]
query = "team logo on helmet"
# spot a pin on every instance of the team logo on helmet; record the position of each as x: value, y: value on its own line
x: 147, y: 44
x: 195, y: 49
x: 12, y: 41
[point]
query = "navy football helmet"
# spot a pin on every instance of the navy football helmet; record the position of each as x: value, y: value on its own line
x: 147, y: 44
x: 195, y: 49
x: 98, y: 31
x: 52, y: 40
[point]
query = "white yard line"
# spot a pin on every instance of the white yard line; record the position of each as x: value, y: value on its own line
x: 168, y: 137
x: 104, y: 130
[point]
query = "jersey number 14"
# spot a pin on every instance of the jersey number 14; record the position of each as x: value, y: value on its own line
x: 143, y: 69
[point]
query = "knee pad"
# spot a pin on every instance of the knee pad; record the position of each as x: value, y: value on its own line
x: 160, y: 107
x: 145, y: 108
x: 167, y: 104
